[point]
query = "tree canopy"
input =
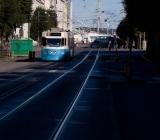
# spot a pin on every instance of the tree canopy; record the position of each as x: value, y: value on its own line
x: 42, y: 20
x: 142, y: 15
x: 13, y: 13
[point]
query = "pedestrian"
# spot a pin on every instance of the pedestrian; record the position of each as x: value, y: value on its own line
x: 110, y: 45
x: 126, y: 44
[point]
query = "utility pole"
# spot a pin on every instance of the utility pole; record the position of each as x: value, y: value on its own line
x: 38, y: 28
x: 144, y: 42
x: 29, y: 26
x: 98, y: 15
x: 140, y: 40
x: 51, y: 4
x: 70, y: 16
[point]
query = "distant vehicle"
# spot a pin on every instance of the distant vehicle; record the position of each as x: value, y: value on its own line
x: 57, y: 45
x: 95, y: 44
x: 103, y: 42
x: 110, y: 42
x: 93, y: 36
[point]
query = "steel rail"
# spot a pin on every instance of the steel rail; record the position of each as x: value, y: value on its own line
x: 55, y: 135
x: 44, y: 88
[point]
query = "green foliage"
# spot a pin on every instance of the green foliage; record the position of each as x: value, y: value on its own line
x: 52, y: 19
x: 13, y: 13
x: 26, y: 9
x: 125, y: 30
x: 142, y: 14
x: 42, y: 20
x: 1, y: 15
x: 38, y: 24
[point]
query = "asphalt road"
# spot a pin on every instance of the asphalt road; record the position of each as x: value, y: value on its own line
x: 113, y: 103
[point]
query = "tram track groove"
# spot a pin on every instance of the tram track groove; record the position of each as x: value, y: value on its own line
x: 44, y: 88
x: 19, y: 84
x: 69, y: 111
x: 21, y: 77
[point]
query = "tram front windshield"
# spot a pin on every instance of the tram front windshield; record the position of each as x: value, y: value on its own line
x: 53, y: 42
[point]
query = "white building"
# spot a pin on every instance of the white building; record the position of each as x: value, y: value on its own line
x: 62, y: 11
x: 26, y: 26
x: 38, y: 3
x: 62, y: 8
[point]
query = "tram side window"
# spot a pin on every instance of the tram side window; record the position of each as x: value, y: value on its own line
x: 63, y: 41
x: 44, y: 41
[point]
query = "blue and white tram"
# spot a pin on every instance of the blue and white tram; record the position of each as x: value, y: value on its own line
x: 57, y: 46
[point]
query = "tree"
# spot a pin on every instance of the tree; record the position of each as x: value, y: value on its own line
x: 142, y: 15
x: 124, y: 30
x: 42, y: 20
x: 26, y: 10
x: 1, y: 15
x: 52, y: 19
x: 13, y: 13
x: 8, y: 18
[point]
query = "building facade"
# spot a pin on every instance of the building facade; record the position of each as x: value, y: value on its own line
x: 62, y: 9
x: 26, y: 26
x: 38, y: 3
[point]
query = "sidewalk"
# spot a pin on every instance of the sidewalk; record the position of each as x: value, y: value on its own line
x: 137, y: 102
x: 8, y: 64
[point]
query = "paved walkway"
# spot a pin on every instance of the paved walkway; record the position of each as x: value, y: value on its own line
x: 9, y: 64
x: 137, y: 101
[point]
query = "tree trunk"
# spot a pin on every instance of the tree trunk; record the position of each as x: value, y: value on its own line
x: 153, y: 49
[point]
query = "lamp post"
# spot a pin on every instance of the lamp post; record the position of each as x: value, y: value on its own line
x: 128, y: 65
x: 140, y: 40
x: 38, y: 27
x: 144, y: 42
x: 28, y: 26
x: 108, y: 25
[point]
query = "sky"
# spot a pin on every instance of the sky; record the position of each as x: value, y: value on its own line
x: 84, y: 13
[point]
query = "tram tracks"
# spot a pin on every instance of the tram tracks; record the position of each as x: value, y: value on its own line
x: 44, y: 98
x: 18, y: 76
x: 70, y: 109
x: 35, y: 74
x: 18, y: 84
x: 23, y: 82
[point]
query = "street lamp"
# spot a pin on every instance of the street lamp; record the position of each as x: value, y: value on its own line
x: 38, y: 27
x: 43, y: 23
x: 107, y: 21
